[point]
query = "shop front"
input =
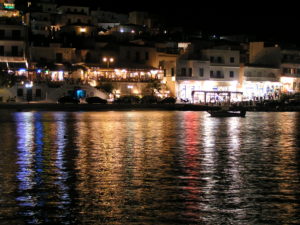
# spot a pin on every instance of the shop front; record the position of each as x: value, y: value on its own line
x: 185, y: 90
x: 254, y: 90
x: 290, y: 84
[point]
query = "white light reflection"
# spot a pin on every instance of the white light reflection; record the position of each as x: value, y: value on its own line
x: 236, y: 184
x: 25, y: 175
x: 59, y: 163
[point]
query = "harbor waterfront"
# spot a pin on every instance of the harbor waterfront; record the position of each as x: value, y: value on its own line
x: 149, y: 167
x: 125, y: 107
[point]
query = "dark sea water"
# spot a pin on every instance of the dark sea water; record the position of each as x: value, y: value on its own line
x: 149, y: 167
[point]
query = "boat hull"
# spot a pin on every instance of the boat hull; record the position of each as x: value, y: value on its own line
x: 221, y: 113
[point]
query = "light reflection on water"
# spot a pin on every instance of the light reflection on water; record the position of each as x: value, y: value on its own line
x: 149, y: 168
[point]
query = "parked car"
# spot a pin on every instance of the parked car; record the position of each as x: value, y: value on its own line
x: 94, y: 100
x: 149, y: 99
x: 168, y: 100
x: 68, y: 99
x: 128, y: 99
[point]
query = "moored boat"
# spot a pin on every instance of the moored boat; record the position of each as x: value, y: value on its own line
x: 227, y: 113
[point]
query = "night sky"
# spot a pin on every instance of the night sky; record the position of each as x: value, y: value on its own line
x: 277, y: 21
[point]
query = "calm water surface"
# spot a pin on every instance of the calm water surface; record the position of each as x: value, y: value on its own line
x: 149, y: 168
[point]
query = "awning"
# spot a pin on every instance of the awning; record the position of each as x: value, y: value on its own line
x: 13, y: 65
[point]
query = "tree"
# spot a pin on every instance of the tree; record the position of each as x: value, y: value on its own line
x: 106, y: 87
x: 6, y: 79
x: 154, y: 86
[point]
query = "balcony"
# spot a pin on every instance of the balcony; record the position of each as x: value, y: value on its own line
x: 11, y: 38
x: 217, y: 76
x: 10, y: 54
x: 128, y: 79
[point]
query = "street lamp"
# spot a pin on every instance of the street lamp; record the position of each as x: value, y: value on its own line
x: 108, y: 60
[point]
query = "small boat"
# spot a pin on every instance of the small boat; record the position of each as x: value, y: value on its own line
x: 227, y: 113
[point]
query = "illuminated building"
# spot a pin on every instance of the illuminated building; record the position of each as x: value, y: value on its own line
x: 261, y: 82
x: 214, y: 70
x: 12, y: 40
x: 290, y: 71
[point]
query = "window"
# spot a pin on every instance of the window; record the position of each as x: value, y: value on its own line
x: 2, y: 50
x: 231, y: 74
x: 212, y: 59
x: 137, y: 56
x: 59, y: 57
x: 219, y: 59
x: 285, y: 70
x: 211, y: 73
x: 2, y: 33
x: 20, y: 92
x: 201, y: 72
x: 183, y: 72
x: 172, y: 72
x: 298, y: 71
x: 128, y: 55
x: 146, y: 55
x: 14, y: 50
x: 231, y: 59
x: 38, y: 93
x: 218, y: 73
x: 190, y: 72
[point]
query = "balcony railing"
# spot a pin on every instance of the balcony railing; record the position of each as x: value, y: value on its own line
x: 129, y: 79
x: 10, y: 54
x: 12, y: 38
x: 217, y: 76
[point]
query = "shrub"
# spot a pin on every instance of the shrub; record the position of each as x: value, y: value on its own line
x: 149, y: 99
x: 128, y: 99
x: 168, y: 100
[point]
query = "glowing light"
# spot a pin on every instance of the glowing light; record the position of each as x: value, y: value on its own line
x: 30, y: 85
x: 22, y: 70
x: 154, y: 72
x: 9, y: 5
x: 287, y: 80
x: 61, y: 75
x: 122, y: 30
x: 82, y: 29
x: 93, y: 83
x: 129, y: 86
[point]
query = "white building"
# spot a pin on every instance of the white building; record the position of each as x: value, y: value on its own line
x: 219, y: 70
x: 290, y: 71
x: 261, y: 82
x: 13, y: 45
x: 107, y: 19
